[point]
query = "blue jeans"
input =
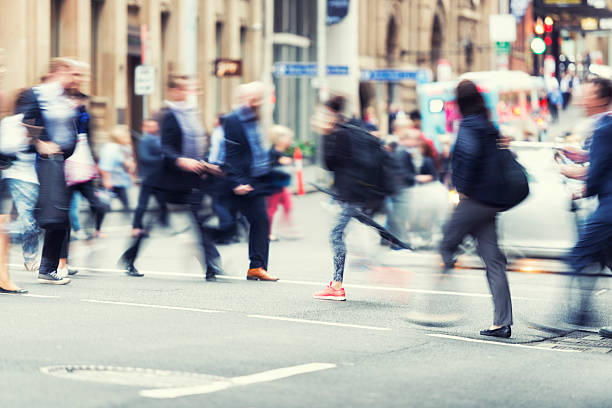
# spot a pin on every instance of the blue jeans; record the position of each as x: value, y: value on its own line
x: 25, y: 195
x: 74, y: 211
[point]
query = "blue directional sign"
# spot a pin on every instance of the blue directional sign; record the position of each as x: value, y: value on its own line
x: 334, y: 70
x: 394, y: 75
x: 296, y: 69
x: 292, y: 69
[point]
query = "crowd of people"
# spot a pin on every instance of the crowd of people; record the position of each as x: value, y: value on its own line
x: 48, y: 162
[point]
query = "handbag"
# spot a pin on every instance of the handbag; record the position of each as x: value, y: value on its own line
x: 13, y: 139
x: 80, y: 167
x: 511, y: 184
x: 53, y: 196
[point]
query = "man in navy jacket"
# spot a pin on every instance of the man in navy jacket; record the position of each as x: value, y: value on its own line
x: 595, y: 235
x: 246, y: 167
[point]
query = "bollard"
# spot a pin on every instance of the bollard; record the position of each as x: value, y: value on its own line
x: 299, y: 170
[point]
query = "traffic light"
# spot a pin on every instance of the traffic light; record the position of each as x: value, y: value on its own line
x: 539, y: 27
x: 538, y: 46
x: 548, y: 24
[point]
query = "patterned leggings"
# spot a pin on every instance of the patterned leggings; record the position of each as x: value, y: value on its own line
x: 337, y: 238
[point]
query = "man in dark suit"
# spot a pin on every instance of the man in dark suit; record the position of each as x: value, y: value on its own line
x: 247, y: 169
x: 596, y: 234
x: 181, y: 178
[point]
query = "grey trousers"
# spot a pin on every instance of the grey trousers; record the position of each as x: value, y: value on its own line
x: 479, y: 220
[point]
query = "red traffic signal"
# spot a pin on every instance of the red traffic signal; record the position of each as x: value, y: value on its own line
x: 548, y: 24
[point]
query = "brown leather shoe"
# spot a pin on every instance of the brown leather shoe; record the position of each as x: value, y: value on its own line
x: 260, y: 274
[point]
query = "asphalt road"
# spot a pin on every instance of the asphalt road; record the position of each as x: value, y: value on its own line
x: 170, y: 339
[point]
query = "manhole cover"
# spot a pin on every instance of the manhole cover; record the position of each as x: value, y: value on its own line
x: 137, y: 377
x: 580, y: 341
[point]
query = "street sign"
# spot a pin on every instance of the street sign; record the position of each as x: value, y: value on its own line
x: 227, y: 67
x: 502, y: 27
x: 292, y: 69
x: 336, y: 11
x: 394, y: 75
x: 605, y: 23
x: 337, y: 70
x: 502, y: 48
x: 144, y: 80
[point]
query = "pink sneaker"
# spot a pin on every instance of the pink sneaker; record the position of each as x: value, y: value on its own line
x: 330, y: 293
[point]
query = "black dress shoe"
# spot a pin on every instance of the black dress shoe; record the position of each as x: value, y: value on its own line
x: 504, y: 332
x: 211, y: 278
x: 132, y: 271
x: 15, y: 292
x: 606, y: 332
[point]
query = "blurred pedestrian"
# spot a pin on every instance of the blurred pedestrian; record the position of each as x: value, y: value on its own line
x: 248, y: 171
x: 595, y: 235
x: 445, y: 161
x: 117, y: 164
x: 282, y: 139
x: 228, y: 227
x: 364, y: 176
x: 554, y: 98
x: 474, y: 166
x: 181, y: 178
x: 52, y: 118
x: 416, y: 119
x: 566, y: 89
x: 149, y: 162
x: 81, y: 169
x: 21, y: 182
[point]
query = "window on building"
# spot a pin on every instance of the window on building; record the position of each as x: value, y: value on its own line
x: 56, y: 13
x: 165, y: 17
x: 96, y: 12
x: 218, y: 54
x: 244, y: 55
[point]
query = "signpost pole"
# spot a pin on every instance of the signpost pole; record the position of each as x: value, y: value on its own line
x: 322, y: 49
x: 144, y: 33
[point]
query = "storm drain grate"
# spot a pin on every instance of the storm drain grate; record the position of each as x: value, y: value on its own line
x: 137, y: 377
x: 584, y: 341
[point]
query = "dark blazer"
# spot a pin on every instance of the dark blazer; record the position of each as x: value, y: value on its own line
x: 474, y: 159
x: 599, y: 178
x: 169, y: 176
x: 238, y: 157
x: 27, y: 103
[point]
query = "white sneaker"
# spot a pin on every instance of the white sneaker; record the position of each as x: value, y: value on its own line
x: 62, y: 272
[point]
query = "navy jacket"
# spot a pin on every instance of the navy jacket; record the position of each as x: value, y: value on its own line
x: 27, y: 103
x: 169, y: 176
x: 474, y: 158
x: 599, y: 178
x: 238, y: 157
x: 149, y: 154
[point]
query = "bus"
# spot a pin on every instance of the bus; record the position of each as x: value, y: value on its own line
x: 516, y: 101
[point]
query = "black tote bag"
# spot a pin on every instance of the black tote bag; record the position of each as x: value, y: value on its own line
x: 53, y: 197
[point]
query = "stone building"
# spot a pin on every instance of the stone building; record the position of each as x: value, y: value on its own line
x: 185, y: 36
x: 412, y: 34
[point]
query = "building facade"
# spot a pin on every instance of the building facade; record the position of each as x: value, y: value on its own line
x: 115, y: 36
x: 421, y: 34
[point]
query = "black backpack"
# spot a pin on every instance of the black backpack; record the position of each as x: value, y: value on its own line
x: 373, y: 172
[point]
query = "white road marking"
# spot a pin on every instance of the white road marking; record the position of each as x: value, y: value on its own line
x: 32, y: 295
x: 387, y: 288
x: 601, y: 292
x: 288, y: 319
x: 311, y: 283
x: 265, y: 376
x: 497, y: 343
x: 188, y: 309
